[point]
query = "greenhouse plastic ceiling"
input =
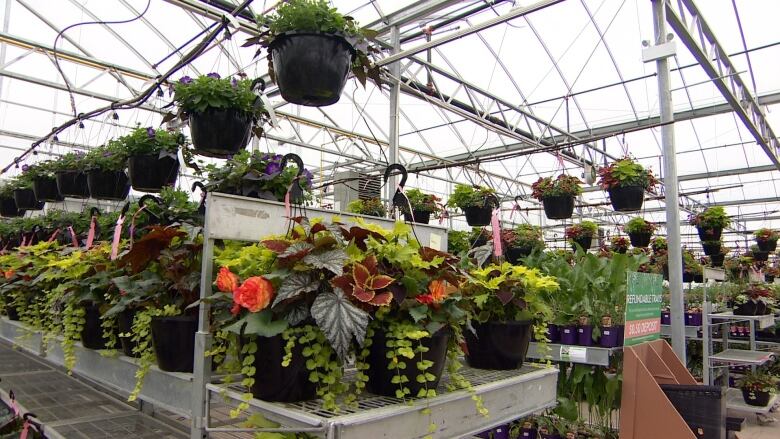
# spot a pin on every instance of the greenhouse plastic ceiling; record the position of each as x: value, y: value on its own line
x: 563, y: 71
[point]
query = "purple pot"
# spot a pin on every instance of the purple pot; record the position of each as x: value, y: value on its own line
x: 484, y: 435
x: 666, y: 318
x: 528, y: 433
x: 585, y: 335
x: 550, y: 436
x: 553, y: 333
x: 569, y: 334
x: 610, y: 337
x: 693, y: 319
x: 501, y: 432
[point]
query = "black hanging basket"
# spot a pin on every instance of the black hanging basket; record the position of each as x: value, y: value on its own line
x: 380, y: 378
x: 709, y: 234
x: 92, y: 332
x: 277, y: 383
x: 150, y: 172
x: 687, y: 277
x: 8, y: 208
x: 627, y: 198
x: 760, y: 256
x: 174, y: 342
x: 72, y: 184
x: 560, y: 207
x: 514, y: 254
x: 766, y: 245
x: 478, y: 216
x: 311, y: 68
x: 498, y: 345
x: 585, y: 242
x: 717, y: 260
x: 219, y: 132
x: 108, y: 185
x: 45, y: 189
x: 639, y: 239
x: 124, y: 321
x: 25, y: 199
x: 420, y: 217
x: 711, y: 248
x: 755, y: 398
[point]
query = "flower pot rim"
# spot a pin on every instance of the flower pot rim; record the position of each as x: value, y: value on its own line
x: 293, y: 33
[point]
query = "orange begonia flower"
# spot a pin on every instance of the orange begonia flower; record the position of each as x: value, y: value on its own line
x: 254, y: 294
x: 227, y: 282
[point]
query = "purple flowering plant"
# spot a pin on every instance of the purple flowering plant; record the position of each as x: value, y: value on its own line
x: 212, y: 92
x: 255, y: 174
x: 143, y: 140
x: 72, y: 161
x: 109, y: 157
x: 40, y: 170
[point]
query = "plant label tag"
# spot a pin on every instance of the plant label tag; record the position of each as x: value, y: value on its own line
x: 435, y: 242
x: 575, y: 354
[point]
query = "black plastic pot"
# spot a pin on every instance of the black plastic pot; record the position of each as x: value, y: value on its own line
x: 711, y: 249
x: 640, y: 240
x: 45, y: 189
x: 108, y: 185
x: 8, y: 208
x: 768, y: 278
x: 498, y: 345
x: 760, y: 256
x: 585, y: 242
x: 627, y: 198
x: 72, y: 184
x: 698, y: 278
x: 150, y: 173
x: 311, y: 68
x: 25, y: 199
x: 749, y: 308
x: 687, y: 277
x: 420, y: 217
x: 610, y: 336
x: 174, y: 342
x: 477, y: 216
x: 755, y: 398
x: 717, y: 260
x: 11, y: 311
x: 92, y: 333
x: 124, y: 322
x: 380, y: 377
x: 711, y: 234
x: 766, y: 246
x: 514, y: 254
x: 276, y: 383
x: 557, y: 208
x: 219, y: 132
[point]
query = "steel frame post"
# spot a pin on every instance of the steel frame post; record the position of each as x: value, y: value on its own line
x: 395, y: 95
x: 674, y: 260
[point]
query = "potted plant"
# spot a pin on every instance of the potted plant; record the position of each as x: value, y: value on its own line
x: 152, y: 157
x: 557, y: 196
x: 506, y: 303
x: 626, y: 181
x: 256, y: 175
x: 639, y: 231
x: 757, y: 387
x: 311, y: 49
x: 422, y: 205
x: 658, y: 244
x: 24, y: 196
x: 8, y: 207
x: 770, y: 273
x: 105, y: 169
x: 220, y: 111
x: 476, y: 202
x: 619, y: 244
x: 766, y: 239
x: 581, y: 234
x: 369, y: 206
x: 755, y: 300
x: 551, y: 427
x: 69, y: 172
x: 458, y: 241
x: 44, y: 181
x: 757, y: 254
x: 710, y: 223
x: 521, y: 241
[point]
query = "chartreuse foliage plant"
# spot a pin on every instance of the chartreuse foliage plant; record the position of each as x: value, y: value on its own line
x: 466, y: 195
x: 639, y: 225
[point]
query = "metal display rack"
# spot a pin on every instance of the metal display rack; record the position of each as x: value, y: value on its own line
x: 507, y: 395
x: 593, y: 355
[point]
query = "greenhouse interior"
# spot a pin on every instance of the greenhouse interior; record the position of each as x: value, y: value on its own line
x: 538, y: 219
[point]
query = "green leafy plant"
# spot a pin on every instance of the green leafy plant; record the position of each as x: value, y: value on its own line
x: 766, y: 235
x: 147, y: 140
x: 370, y: 206
x: 72, y: 161
x: 710, y: 218
x: 759, y: 381
x: 523, y: 235
x: 626, y: 172
x: 639, y: 225
x: 564, y: 185
x: 581, y: 230
x: 658, y: 244
x: 619, y: 244
x: 109, y: 157
x: 318, y: 16
x: 472, y: 196
x: 44, y: 169
x: 423, y: 202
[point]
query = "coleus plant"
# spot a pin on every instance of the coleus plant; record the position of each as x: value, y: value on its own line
x: 626, y: 172
x: 766, y: 235
x: 563, y: 185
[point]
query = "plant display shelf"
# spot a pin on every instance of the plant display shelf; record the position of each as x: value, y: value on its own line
x: 759, y: 322
x: 740, y: 356
x: 593, y: 355
x: 508, y: 395
x: 691, y: 332
x: 734, y: 401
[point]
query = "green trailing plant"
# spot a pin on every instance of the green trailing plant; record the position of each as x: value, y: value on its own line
x: 626, y: 172
x: 423, y: 202
x: 563, y: 185
x: 109, y: 157
x: 523, y: 235
x: 369, y: 206
x: 317, y: 16
x: 472, y: 196
x: 710, y: 218
x: 72, y: 161
x: 147, y: 140
x: 639, y: 225
x: 44, y: 169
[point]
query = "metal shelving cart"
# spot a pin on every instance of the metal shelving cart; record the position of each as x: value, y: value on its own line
x: 593, y: 355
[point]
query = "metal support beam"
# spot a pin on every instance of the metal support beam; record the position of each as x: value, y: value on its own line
x: 704, y: 46
x: 416, y: 11
x: 670, y: 177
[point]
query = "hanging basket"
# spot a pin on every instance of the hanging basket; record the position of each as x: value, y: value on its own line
x: 92, y: 332
x: 717, y: 260
x: 560, y: 207
x: 72, y: 184
x: 584, y: 241
x: 640, y: 240
x: 760, y: 256
x: 45, y: 189
x: 8, y: 208
x: 514, y: 254
x: 478, y: 216
x: 25, y: 199
x: 766, y: 245
x: 311, y: 68
x: 627, y: 198
x: 711, y: 249
x: 219, y: 132
x: 150, y: 172
x: 108, y: 185
x: 174, y: 342
x: 710, y: 234
x: 498, y: 345
x: 755, y: 398
x: 420, y: 217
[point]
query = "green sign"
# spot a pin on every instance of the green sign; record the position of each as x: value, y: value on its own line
x: 643, y: 308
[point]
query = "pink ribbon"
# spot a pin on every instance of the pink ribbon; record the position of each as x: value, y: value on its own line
x: 496, y: 225
x: 73, y: 239
x: 132, y: 224
x: 287, y: 208
x: 25, y: 430
x: 514, y: 208
x: 91, y: 234
x: 24, y: 241
x: 53, y: 235
x: 117, y: 235
x: 443, y: 215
